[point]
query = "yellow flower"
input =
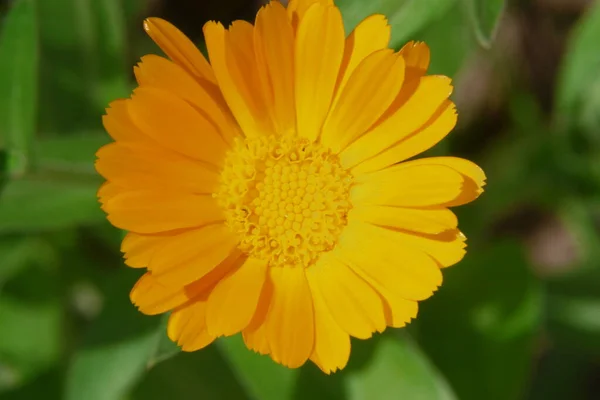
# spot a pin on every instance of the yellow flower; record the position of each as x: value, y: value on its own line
x: 268, y: 192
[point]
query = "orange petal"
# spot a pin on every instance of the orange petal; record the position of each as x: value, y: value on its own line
x: 370, y: 35
x: 318, y: 56
x: 158, y: 72
x: 179, y: 48
x: 332, y: 344
x: 407, y: 185
x: 231, y: 54
x: 274, y: 46
x: 417, y: 57
x: 187, y: 326
x: 136, y: 167
x: 119, y: 126
x: 290, y: 319
x: 354, y: 305
x: 233, y: 302
x: 145, y: 211
x: 176, y: 125
x: 367, y: 95
x: 429, y: 135
x: 428, y: 220
x: 139, y: 249
x: 405, y: 271
x: 152, y: 297
x: 415, y: 113
x: 192, y: 254
x: 296, y: 9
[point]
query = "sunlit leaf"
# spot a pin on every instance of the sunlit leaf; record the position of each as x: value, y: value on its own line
x: 485, y: 16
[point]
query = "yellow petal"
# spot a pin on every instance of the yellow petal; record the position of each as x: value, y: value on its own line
x: 296, y: 9
x: 399, y: 311
x: 354, y: 305
x: 145, y: 211
x: 152, y: 297
x: 332, y: 344
x: 187, y: 326
x: 425, y: 138
x: 108, y: 191
x: 136, y: 167
x: 255, y: 335
x: 119, y: 126
x: 417, y: 57
x: 274, y: 46
x: 473, y: 174
x: 371, y: 34
x: 233, y: 302
x: 290, y: 319
x: 391, y: 266
x: 179, y: 48
x: 368, y: 93
x: 192, y: 254
x: 318, y: 55
x: 416, y: 111
x: 436, y: 220
x: 176, y: 125
x: 406, y: 185
x: 139, y: 249
x: 232, y: 57
x: 158, y: 72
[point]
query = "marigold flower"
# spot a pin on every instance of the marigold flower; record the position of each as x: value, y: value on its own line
x: 267, y: 192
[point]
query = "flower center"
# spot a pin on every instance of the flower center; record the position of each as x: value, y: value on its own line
x: 286, y: 197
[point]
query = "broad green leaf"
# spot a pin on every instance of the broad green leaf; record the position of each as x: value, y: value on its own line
x: 18, y: 84
x: 116, y: 350
x: 396, y: 369
x: 71, y: 154
x: 203, y: 374
x: 480, y: 328
x: 485, y: 16
x: 19, y: 253
x: 46, y: 203
x: 406, y: 17
x: 581, y: 69
x: 83, y: 47
x: 262, y: 378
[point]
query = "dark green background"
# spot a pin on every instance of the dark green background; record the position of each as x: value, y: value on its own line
x: 519, y: 318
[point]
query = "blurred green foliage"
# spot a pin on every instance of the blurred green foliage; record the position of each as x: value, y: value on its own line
x: 499, y: 328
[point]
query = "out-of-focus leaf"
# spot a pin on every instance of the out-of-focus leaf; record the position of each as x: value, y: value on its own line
x: 17, y: 253
x: 449, y: 39
x: 201, y: 374
x: 479, y: 329
x: 24, y: 350
x: 165, y: 347
x: 45, y: 386
x: 560, y: 375
x: 261, y: 377
x: 574, y: 322
x: 581, y: 69
x: 396, y: 369
x: 485, y: 16
x: 116, y: 351
x: 35, y: 204
x: 406, y: 17
x: 83, y: 48
x: 18, y: 84
x: 70, y: 154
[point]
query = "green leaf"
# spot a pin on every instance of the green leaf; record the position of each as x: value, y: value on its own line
x: 18, y: 84
x: 261, y: 377
x: 117, y: 348
x: 70, y: 154
x: 83, y: 47
x: 406, y: 17
x: 581, y: 69
x: 46, y: 203
x: 480, y: 328
x: 485, y: 17
x: 201, y: 374
x: 396, y: 369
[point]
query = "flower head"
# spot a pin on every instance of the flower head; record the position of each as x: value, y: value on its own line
x: 267, y: 192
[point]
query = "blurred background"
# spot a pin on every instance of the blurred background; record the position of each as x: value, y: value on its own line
x: 519, y: 318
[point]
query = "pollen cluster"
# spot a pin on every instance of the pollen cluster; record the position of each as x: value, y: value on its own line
x: 286, y: 198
